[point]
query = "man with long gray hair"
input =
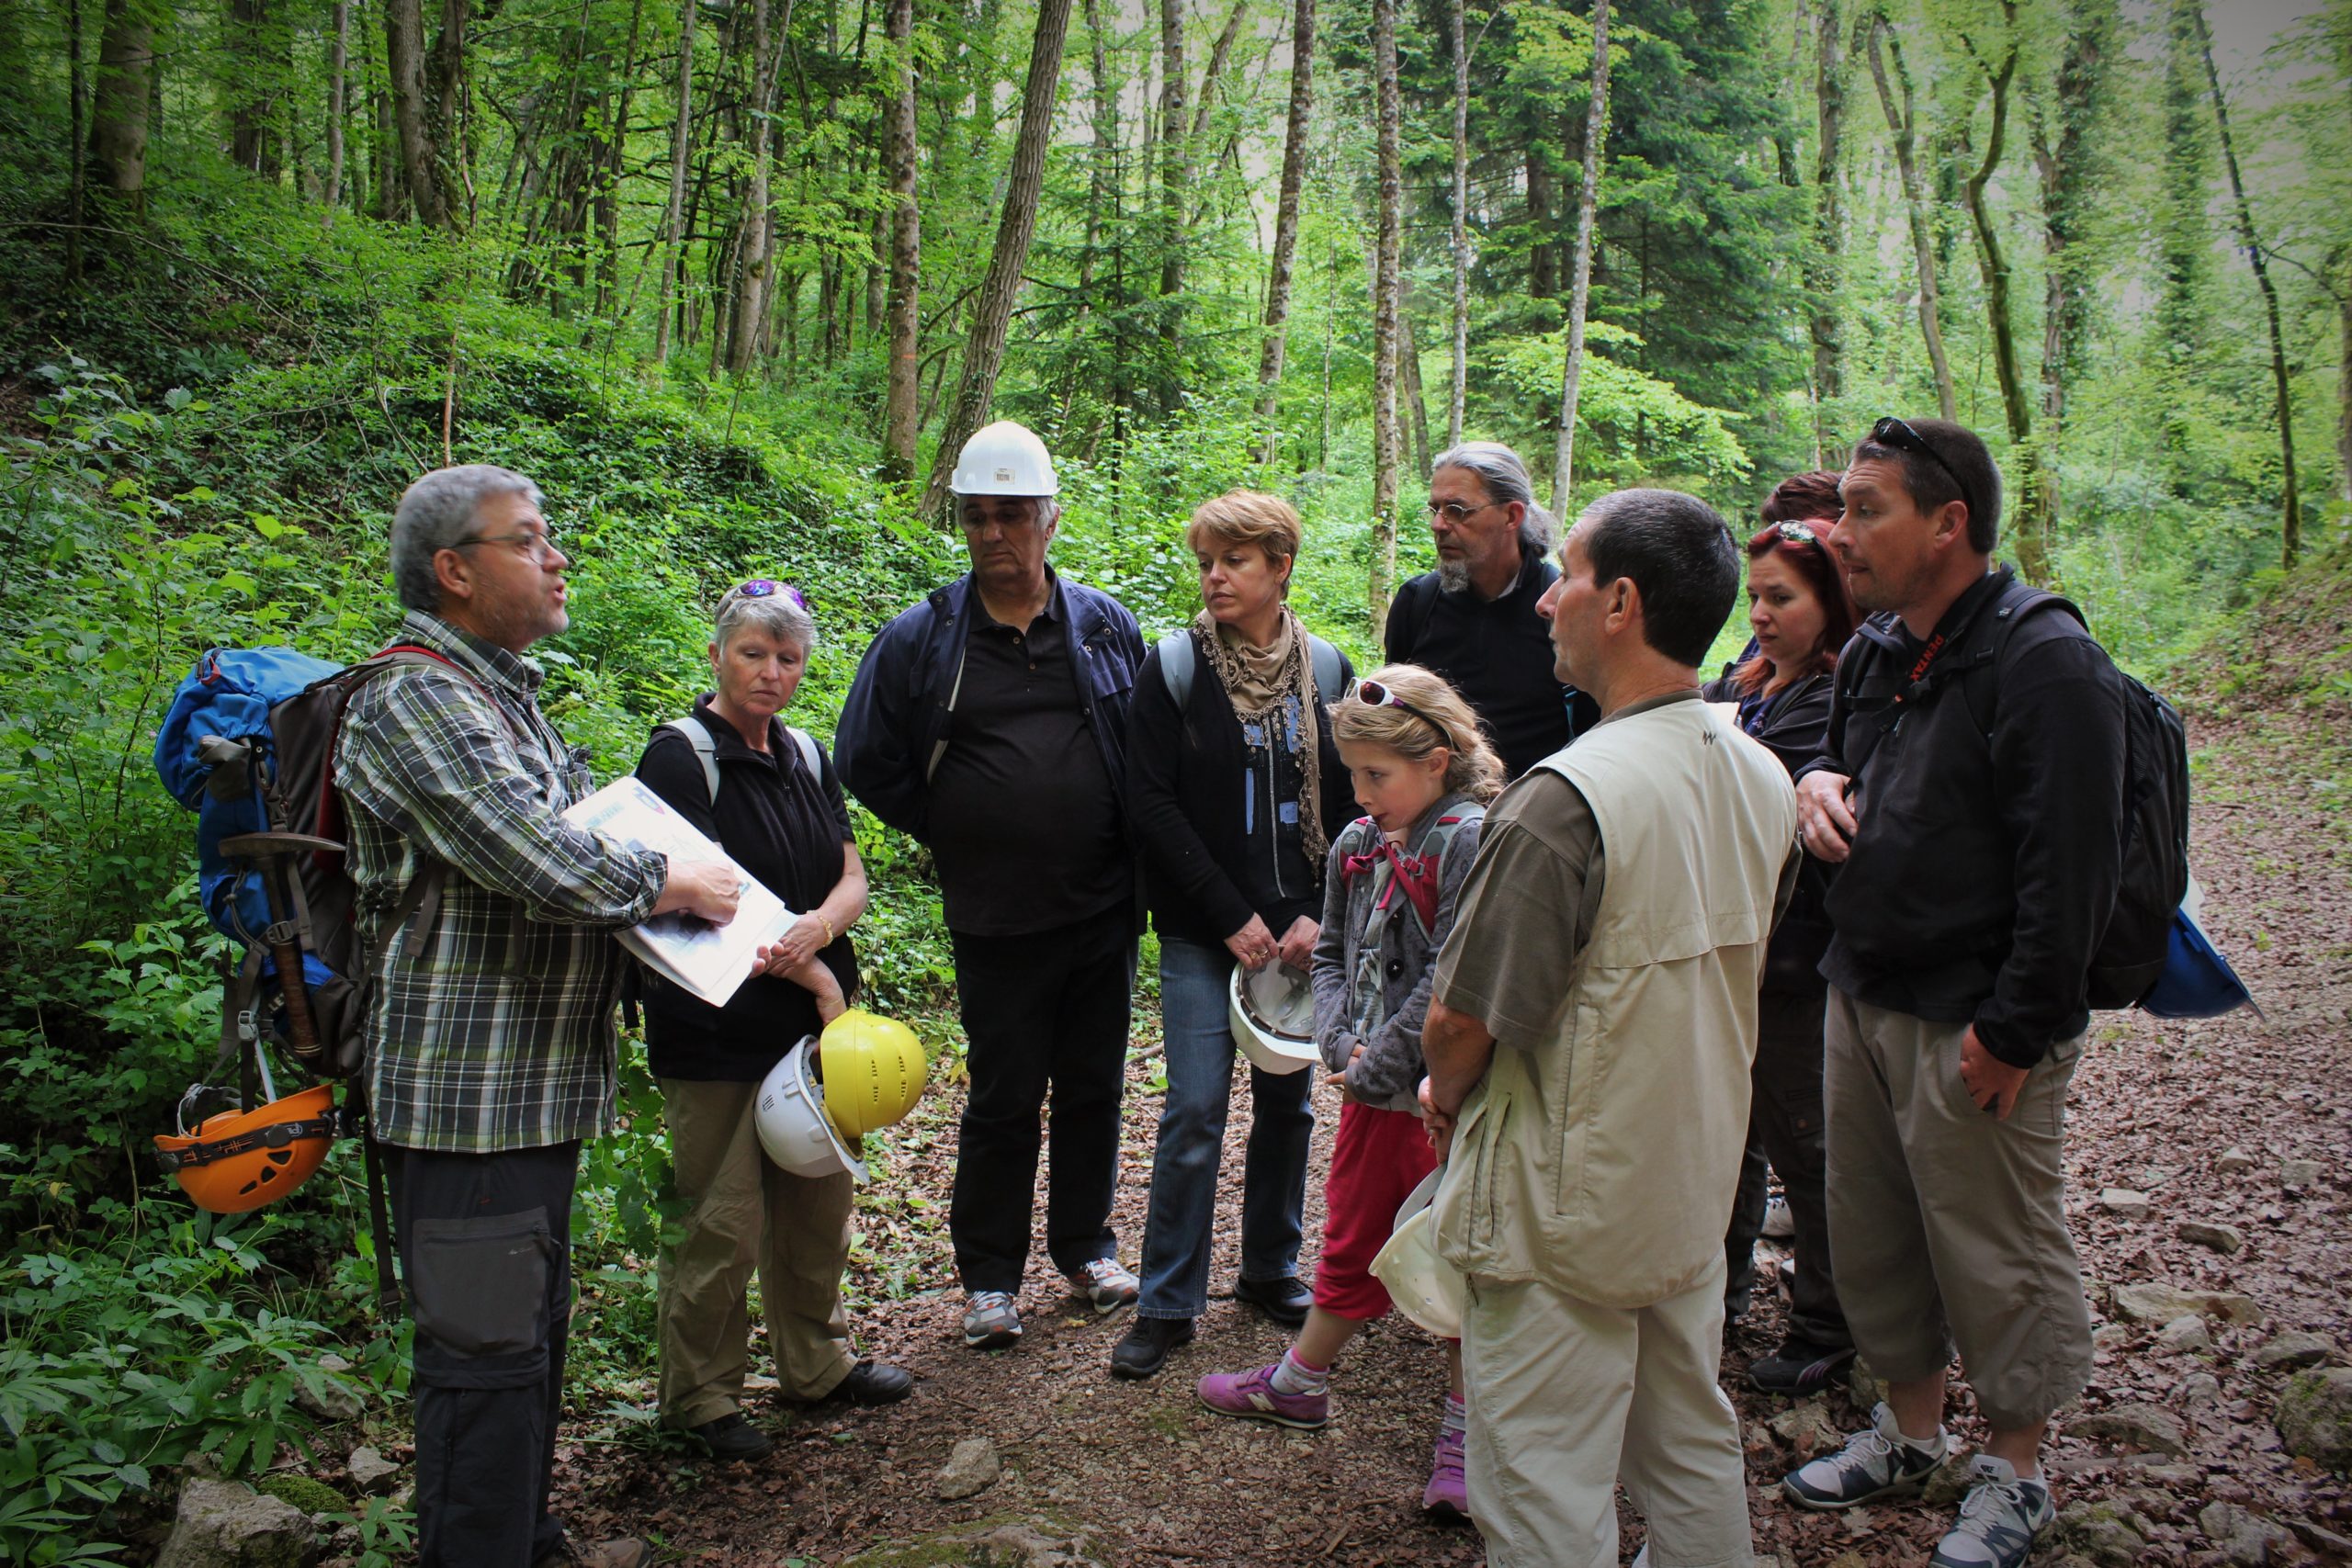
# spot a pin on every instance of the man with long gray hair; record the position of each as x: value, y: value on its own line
x: 1474, y: 620
x: 489, y: 920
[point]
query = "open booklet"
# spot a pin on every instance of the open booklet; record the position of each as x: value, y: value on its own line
x: 709, y: 960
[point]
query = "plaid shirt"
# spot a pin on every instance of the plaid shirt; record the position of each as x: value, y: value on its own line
x: 494, y: 1029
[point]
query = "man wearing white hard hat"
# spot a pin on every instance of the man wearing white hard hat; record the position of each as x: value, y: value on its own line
x: 989, y: 722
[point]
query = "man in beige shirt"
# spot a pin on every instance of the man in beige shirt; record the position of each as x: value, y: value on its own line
x: 1588, y: 1051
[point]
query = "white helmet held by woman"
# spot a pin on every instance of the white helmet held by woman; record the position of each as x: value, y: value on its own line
x: 1272, y: 1013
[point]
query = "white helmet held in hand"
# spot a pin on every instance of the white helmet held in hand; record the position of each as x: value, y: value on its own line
x: 1004, y: 458
x: 1425, y: 1287
x: 791, y: 1120
x: 1272, y: 1013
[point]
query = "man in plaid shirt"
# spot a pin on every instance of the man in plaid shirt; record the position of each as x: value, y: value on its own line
x: 491, y: 1037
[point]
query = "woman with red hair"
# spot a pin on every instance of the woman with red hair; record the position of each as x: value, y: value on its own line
x: 1802, y: 615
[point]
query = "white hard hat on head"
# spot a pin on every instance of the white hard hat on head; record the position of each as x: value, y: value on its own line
x: 1004, y: 458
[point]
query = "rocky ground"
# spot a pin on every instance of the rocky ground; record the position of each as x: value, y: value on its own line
x: 2208, y: 1188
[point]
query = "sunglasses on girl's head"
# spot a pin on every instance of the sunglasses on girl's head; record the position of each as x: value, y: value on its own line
x: 767, y: 588
x: 1371, y: 694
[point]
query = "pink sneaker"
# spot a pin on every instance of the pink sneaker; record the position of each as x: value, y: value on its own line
x: 1252, y: 1397
x: 1447, y: 1497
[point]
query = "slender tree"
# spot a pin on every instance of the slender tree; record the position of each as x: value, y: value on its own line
x: 1596, y: 132
x: 338, y: 62
x: 2068, y: 166
x: 1278, y: 273
x: 1175, y: 178
x: 1903, y: 124
x: 2029, y: 518
x: 1387, y: 299
x: 900, y: 408
x: 1824, y: 261
x: 985, y: 354
x: 1454, y: 392
x: 422, y: 154
x: 2291, y: 503
x: 673, y: 237
x: 751, y: 272
x: 119, y: 106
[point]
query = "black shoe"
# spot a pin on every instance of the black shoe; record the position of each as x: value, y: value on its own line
x: 871, y: 1383
x: 1145, y: 1350
x: 1799, y: 1367
x: 1285, y: 1299
x: 730, y: 1438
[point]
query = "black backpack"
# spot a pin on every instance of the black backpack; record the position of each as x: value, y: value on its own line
x: 2131, y: 952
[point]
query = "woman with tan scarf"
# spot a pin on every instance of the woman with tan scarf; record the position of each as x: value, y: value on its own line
x: 1234, y: 789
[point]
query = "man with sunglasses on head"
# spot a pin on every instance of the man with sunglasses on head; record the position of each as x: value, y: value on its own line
x: 1971, y: 794
x: 489, y: 920
x: 989, y: 722
x: 1474, y: 619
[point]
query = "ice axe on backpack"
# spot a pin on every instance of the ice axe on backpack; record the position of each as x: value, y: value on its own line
x: 272, y: 854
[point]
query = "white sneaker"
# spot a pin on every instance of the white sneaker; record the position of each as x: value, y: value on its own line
x: 1779, y: 1225
x: 1998, y: 1518
x: 1106, y: 1284
x: 991, y: 1320
x: 1876, y: 1462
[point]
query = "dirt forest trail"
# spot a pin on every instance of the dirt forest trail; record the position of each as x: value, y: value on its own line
x: 2203, y: 1124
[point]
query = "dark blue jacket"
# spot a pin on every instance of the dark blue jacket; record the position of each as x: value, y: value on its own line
x: 896, y: 714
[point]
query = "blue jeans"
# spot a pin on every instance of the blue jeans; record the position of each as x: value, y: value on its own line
x: 1192, y: 1001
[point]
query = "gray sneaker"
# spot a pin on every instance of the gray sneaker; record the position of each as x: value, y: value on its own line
x: 991, y: 1320
x: 1998, y: 1518
x: 1780, y: 1223
x: 1106, y: 1284
x: 1879, y: 1463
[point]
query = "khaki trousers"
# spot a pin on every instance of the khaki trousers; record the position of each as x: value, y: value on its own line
x: 1567, y: 1398
x: 746, y: 1212
x: 1947, y: 1225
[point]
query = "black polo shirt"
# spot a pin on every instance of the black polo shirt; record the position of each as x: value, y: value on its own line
x: 1498, y: 653
x: 1024, y: 820
x: 786, y: 827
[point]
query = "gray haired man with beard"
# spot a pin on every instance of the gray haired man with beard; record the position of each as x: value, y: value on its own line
x: 1474, y: 619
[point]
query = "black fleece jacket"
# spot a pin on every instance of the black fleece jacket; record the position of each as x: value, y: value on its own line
x: 1184, y: 803
x: 1989, y: 798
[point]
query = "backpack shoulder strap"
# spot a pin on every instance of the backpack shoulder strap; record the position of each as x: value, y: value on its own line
x: 1980, y: 685
x: 807, y: 745
x: 706, y: 747
x: 1323, y: 661
x: 1176, y: 664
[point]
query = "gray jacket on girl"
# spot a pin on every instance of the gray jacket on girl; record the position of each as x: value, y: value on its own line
x: 1376, y: 961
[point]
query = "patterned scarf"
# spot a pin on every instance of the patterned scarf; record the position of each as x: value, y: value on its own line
x: 1256, y: 679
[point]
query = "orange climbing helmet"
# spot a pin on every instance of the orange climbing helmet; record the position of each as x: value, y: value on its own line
x: 237, y: 1161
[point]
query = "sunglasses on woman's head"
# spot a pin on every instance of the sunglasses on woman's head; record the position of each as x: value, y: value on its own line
x: 1795, y: 533
x: 1371, y: 694
x: 767, y: 588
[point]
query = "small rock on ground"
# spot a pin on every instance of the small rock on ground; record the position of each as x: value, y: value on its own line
x: 2294, y: 1348
x: 2139, y: 1426
x: 2099, y: 1533
x: 2124, y: 1203
x: 2315, y: 1417
x: 2162, y: 1303
x: 371, y: 1471
x: 2233, y: 1161
x: 971, y: 1468
x: 1021, y: 1544
x: 2248, y: 1539
x: 2201, y: 1388
x: 2214, y: 1234
x: 2299, y: 1173
x: 2186, y: 1336
x: 226, y: 1523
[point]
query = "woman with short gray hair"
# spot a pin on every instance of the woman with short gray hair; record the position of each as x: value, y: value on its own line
x: 766, y: 794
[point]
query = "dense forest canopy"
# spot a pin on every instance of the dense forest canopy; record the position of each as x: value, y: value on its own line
x: 732, y: 278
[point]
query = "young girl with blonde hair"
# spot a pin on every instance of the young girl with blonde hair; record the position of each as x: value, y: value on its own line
x: 1422, y: 772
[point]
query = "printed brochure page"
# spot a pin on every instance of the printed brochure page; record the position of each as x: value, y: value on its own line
x: 709, y: 960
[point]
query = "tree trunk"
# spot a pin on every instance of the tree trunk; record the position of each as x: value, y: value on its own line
x: 2342, y: 270
x: 1454, y: 392
x: 338, y: 62
x: 1904, y: 124
x: 2290, y: 502
x: 118, y: 109
x: 1175, y: 178
x: 1596, y: 135
x: 1828, y: 236
x: 1276, y: 344
x: 1220, y: 54
x: 751, y: 279
x: 2030, y: 522
x: 985, y: 353
x: 1387, y: 438
x: 899, y: 415
x: 1544, y: 256
x: 673, y: 237
x: 2069, y: 183
x: 420, y: 154
x: 1417, y: 406
x: 251, y: 88
x: 75, y: 161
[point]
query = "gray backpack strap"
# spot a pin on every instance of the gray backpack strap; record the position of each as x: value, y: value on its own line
x: 698, y: 736
x: 1324, y: 661
x: 808, y: 744
x: 955, y: 691
x: 1176, y: 664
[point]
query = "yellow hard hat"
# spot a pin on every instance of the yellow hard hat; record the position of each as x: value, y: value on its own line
x: 873, y: 1070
